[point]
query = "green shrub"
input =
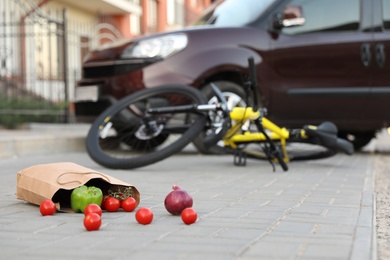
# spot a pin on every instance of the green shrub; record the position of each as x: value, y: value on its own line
x: 15, y: 111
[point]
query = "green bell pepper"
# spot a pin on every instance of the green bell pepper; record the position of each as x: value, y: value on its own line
x: 82, y: 196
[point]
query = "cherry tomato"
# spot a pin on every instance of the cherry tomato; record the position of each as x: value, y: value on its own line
x: 144, y: 216
x: 47, y: 207
x: 103, y: 200
x: 189, y: 216
x: 93, y: 208
x: 129, y: 204
x: 112, y: 204
x: 92, y: 221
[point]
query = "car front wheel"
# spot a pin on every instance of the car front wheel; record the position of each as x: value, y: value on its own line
x: 235, y: 97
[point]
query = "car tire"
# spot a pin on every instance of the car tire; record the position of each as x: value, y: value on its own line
x: 235, y: 96
x: 358, y: 139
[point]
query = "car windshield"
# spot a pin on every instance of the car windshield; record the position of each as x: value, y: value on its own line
x: 233, y: 12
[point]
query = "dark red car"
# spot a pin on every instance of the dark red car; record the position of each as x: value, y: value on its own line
x: 316, y: 60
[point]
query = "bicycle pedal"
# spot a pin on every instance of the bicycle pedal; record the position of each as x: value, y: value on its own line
x: 239, y: 158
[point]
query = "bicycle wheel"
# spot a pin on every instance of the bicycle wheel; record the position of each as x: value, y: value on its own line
x: 126, y: 136
x: 296, y: 151
x: 302, y: 151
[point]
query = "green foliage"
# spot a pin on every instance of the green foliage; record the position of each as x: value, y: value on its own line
x: 15, y: 111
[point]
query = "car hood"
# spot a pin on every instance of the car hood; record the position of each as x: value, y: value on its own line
x: 112, y: 51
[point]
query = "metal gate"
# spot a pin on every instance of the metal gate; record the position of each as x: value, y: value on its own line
x: 33, y: 75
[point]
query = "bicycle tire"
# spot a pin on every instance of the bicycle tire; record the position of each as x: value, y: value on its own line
x: 297, y: 151
x: 314, y: 154
x: 118, y: 140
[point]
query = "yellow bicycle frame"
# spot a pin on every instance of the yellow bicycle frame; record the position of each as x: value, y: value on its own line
x: 241, y: 115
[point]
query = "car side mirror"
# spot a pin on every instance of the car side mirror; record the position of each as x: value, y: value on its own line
x: 292, y: 16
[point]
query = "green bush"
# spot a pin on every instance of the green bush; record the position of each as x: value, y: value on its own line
x: 15, y: 111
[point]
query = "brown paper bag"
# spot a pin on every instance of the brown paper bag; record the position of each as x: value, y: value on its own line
x: 56, y: 181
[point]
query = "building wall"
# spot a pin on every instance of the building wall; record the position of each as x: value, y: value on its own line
x: 157, y: 16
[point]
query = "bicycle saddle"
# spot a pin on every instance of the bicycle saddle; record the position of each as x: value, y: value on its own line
x: 326, y: 135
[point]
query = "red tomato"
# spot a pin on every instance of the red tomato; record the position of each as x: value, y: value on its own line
x: 189, y: 216
x: 93, y: 208
x: 103, y: 200
x: 129, y: 204
x: 144, y: 216
x: 112, y: 204
x: 47, y: 207
x: 92, y: 221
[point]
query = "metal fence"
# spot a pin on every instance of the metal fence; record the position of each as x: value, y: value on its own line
x: 41, y: 53
x: 33, y: 76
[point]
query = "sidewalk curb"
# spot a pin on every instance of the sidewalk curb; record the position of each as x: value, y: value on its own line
x: 42, y: 139
x: 41, y: 145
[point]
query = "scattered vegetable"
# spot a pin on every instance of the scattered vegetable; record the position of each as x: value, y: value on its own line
x: 47, y: 208
x: 93, y: 208
x: 82, y: 196
x: 189, y: 216
x: 177, y: 200
x: 144, y: 216
x: 129, y: 204
x: 111, y: 204
x: 92, y: 221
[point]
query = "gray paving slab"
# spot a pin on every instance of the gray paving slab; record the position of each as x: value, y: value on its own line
x: 317, y: 210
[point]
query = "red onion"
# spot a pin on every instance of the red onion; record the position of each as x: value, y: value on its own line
x: 177, y: 200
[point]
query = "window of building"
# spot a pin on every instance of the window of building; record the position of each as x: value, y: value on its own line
x: 135, y: 24
x: 175, y: 12
x: 194, y: 3
x: 48, y: 47
x: 152, y: 16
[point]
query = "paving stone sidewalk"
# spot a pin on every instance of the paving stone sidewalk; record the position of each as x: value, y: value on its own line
x: 321, y: 209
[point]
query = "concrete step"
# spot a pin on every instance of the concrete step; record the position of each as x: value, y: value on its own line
x: 43, y: 139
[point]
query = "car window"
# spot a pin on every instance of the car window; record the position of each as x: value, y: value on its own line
x: 327, y: 15
x: 234, y: 12
x: 386, y: 14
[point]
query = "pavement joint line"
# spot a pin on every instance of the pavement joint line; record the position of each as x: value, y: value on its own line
x: 270, y: 183
x: 300, y: 251
x: 316, y: 228
x: 324, y: 213
x: 246, y: 214
x: 265, y: 203
x: 218, y: 232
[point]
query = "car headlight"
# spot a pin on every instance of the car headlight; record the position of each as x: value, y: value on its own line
x: 159, y: 47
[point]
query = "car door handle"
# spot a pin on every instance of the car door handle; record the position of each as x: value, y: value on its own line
x: 365, y: 54
x: 380, y: 55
